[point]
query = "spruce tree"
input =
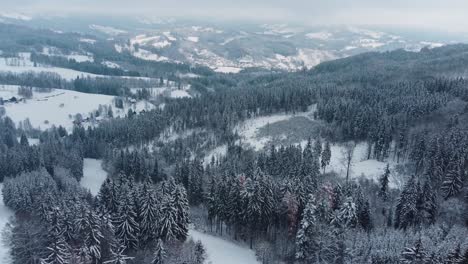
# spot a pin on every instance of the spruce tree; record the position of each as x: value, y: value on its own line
x: 306, y: 244
x: 159, y: 253
x: 384, y: 179
x: 326, y: 156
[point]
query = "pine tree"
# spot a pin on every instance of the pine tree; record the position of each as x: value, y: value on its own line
x: 181, y: 206
x: 455, y: 256
x: 126, y: 227
x: 318, y: 147
x: 24, y: 141
x: 326, y: 156
x: 200, y: 253
x: 118, y: 256
x: 168, y: 219
x: 414, y: 255
x: 159, y: 253
x: 88, y: 225
x: 305, y: 239
x: 453, y: 182
x: 406, y: 213
x: 348, y: 213
x: 58, y: 250
x: 384, y: 179
x: 149, y: 214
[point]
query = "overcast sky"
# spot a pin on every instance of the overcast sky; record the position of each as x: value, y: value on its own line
x: 449, y: 15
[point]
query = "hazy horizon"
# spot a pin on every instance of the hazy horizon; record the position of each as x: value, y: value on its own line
x: 430, y: 14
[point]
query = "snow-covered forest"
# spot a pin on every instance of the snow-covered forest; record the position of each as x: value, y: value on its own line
x: 357, y: 160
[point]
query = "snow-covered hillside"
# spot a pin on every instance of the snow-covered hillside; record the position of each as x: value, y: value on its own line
x: 23, y: 63
x: 276, y: 46
x: 60, y: 107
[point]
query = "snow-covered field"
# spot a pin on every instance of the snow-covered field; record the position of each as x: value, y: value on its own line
x: 93, y: 175
x: 220, y: 251
x: 59, y: 107
x: 248, y: 129
x: 361, y: 166
x: 23, y: 64
x: 5, y: 214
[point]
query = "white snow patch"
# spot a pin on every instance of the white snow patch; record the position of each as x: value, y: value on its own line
x: 87, y: 40
x: 360, y: 165
x: 16, y: 16
x: 147, y: 55
x: 248, y: 129
x: 227, y: 69
x: 431, y: 45
x: 56, y: 107
x: 220, y: 251
x: 110, y: 64
x: 322, y: 35
x: 93, y: 175
x: 108, y: 30
x: 217, y: 153
x: 193, y: 39
x: 179, y: 94
x: 169, y: 36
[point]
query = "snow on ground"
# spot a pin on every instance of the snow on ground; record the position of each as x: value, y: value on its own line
x: 361, y: 166
x: 5, y: 214
x: 17, y: 16
x: 220, y: 251
x: 193, y: 39
x: 52, y: 51
x: 93, y: 175
x: 431, y: 44
x: 107, y: 30
x: 87, y: 40
x: 249, y: 128
x: 322, y: 35
x: 148, y: 55
x: 24, y: 64
x: 110, y: 64
x: 217, y: 153
x: 57, y: 106
x: 179, y: 94
x: 228, y: 69
x: 169, y: 36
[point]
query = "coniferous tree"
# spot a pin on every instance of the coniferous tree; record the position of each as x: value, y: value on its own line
x: 305, y: 239
x: 118, y: 256
x: 149, y: 214
x: 200, y: 253
x: 159, y: 253
x: 453, y: 182
x: 414, y: 254
x: 58, y: 250
x: 126, y: 227
x: 384, y: 179
x: 326, y: 156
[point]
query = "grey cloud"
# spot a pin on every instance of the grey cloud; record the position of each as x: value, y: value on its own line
x: 441, y: 14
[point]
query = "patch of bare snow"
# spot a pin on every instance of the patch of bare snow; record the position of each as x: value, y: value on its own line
x: 107, y: 30
x: 227, y: 69
x: 220, y: 251
x: 248, y: 129
x: 93, y: 175
x: 193, y: 39
x: 322, y: 35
